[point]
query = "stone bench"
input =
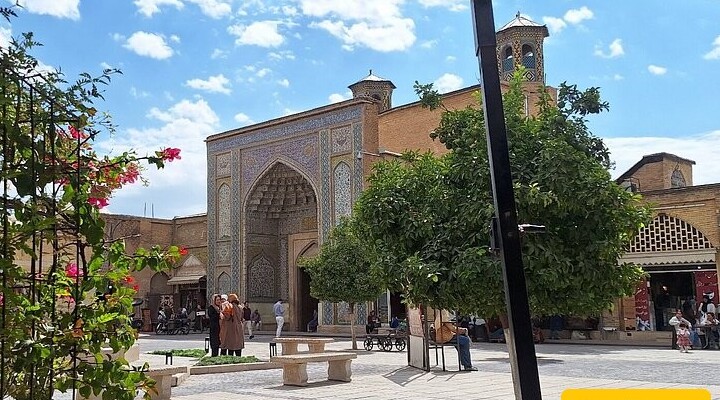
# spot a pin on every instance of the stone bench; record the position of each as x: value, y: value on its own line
x: 290, y: 344
x: 295, y: 366
x: 163, y: 377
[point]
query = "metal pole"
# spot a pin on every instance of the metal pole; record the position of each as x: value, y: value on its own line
x: 520, y: 341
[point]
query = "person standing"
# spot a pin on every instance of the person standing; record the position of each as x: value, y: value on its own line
x: 279, y: 311
x: 232, y: 336
x: 247, y: 319
x: 213, y: 315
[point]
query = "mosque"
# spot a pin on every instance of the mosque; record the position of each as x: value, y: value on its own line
x: 276, y: 188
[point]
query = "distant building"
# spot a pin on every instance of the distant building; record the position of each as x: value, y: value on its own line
x: 679, y: 248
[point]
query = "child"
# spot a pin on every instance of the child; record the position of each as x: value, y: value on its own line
x: 683, y: 337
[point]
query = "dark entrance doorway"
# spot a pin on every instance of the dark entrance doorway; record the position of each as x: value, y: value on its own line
x: 307, y: 304
x: 397, y: 308
x: 668, y: 291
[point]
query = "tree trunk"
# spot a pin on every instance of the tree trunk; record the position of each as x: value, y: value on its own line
x: 352, y: 325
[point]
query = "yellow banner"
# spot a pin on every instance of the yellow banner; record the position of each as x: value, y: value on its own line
x: 636, y: 394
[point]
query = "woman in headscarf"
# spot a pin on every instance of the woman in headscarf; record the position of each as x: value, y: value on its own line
x: 232, y: 334
x: 213, y: 315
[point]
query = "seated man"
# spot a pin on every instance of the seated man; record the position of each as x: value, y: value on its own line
x: 447, y: 332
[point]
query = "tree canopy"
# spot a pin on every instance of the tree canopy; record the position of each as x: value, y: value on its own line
x: 427, y: 217
x: 344, y: 271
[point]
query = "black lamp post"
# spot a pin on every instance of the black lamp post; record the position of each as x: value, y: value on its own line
x: 520, y: 341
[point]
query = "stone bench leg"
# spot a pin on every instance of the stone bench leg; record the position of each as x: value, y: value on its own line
x: 295, y: 374
x: 340, y: 370
x: 316, y: 347
x: 163, y: 384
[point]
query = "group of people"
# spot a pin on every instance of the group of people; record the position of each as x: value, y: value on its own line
x: 228, y: 319
x: 705, y: 318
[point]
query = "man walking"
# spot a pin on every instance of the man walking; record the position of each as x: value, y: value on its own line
x: 246, y: 319
x: 279, y: 311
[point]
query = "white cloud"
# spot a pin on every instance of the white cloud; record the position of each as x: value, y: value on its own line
x: 56, y: 8
x: 615, y: 50
x: 618, y: 77
x: 577, y: 16
x: 259, y: 33
x: 243, y: 119
x: 214, y: 8
x: 554, y: 24
x: 217, y: 53
x: 702, y: 149
x: 280, y: 55
x: 214, y: 84
x: 714, y: 54
x: 376, y: 24
x: 175, y: 38
x: 450, y: 59
x: 149, y: 45
x: 118, y: 37
x: 262, y: 72
x: 572, y: 17
x: 657, y: 70
x: 452, y: 5
x: 105, y: 65
x: 5, y: 36
x: 150, y: 7
x: 290, y: 11
x: 138, y: 94
x: 448, y: 83
x: 337, y: 97
x: 284, y: 83
x: 180, y: 188
x: 428, y: 44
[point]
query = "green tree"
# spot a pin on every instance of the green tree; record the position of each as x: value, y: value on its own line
x: 343, y: 271
x: 74, y: 298
x: 428, y: 217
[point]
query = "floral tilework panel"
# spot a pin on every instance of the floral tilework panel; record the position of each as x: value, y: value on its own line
x: 262, y: 279
x: 224, y: 212
x: 342, y: 191
x: 341, y: 140
x: 223, y: 164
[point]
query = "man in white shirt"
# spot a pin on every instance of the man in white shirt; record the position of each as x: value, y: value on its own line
x: 675, y: 321
x: 279, y: 311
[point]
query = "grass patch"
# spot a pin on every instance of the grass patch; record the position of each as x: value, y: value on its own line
x: 194, y: 353
x: 222, y: 360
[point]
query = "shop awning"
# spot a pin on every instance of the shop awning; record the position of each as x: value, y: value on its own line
x: 184, y: 280
x: 672, y: 258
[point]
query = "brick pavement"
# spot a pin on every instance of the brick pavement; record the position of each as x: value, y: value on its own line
x: 385, y: 375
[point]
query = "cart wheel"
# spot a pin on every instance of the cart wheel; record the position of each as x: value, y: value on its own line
x: 185, y: 330
x: 400, y: 344
x: 368, y: 344
x: 386, y: 344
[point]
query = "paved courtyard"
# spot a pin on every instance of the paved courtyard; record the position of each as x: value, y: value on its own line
x: 385, y: 375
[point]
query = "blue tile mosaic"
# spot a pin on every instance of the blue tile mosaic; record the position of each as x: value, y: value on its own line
x: 286, y: 130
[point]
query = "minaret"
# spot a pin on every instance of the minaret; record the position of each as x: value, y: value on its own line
x: 376, y: 88
x: 520, y: 42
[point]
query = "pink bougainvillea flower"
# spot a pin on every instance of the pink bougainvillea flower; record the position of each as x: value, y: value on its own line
x: 98, y: 202
x: 131, y: 174
x: 171, y: 154
x: 136, y: 288
x: 129, y: 280
x: 183, y: 251
x: 72, y: 270
x: 2, y: 299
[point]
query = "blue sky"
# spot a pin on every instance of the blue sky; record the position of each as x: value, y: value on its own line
x: 192, y: 68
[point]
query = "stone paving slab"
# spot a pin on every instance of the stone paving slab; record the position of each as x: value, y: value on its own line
x: 386, y: 376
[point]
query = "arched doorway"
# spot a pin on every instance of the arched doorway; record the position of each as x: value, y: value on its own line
x: 306, y: 303
x: 281, y: 206
x: 160, y: 294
